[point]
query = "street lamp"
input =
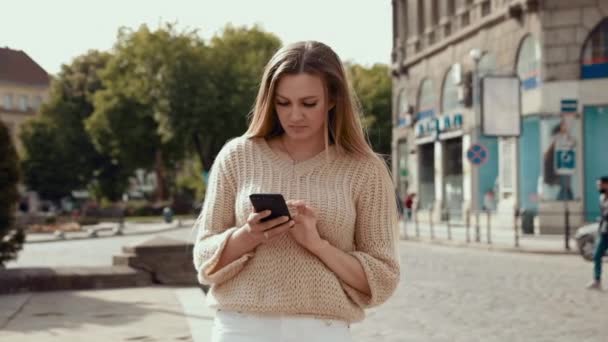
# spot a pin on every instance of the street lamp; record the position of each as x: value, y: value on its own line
x: 475, y: 55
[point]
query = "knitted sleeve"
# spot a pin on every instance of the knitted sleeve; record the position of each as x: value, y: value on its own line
x: 216, y: 223
x: 376, y: 237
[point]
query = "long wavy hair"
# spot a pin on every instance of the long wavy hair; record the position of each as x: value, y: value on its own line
x: 342, y: 126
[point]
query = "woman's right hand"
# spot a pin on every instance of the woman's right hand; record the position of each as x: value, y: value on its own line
x: 264, y: 232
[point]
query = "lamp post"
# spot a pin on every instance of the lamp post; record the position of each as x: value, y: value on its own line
x: 475, y: 55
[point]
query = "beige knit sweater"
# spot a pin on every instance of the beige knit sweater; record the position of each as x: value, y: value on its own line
x: 356, y: 213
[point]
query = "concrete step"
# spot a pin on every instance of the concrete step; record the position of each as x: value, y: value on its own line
x: 71, y: 278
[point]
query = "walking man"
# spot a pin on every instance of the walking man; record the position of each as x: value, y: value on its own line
x: 602, y: 238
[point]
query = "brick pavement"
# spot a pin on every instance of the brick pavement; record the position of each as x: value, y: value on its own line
x: 455, y: 294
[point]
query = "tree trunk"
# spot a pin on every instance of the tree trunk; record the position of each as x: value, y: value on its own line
x: 161, y: 184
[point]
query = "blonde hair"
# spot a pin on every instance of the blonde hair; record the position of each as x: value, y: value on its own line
x: 343, y: 125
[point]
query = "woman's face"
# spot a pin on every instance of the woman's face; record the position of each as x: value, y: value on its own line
x: 301, y: 106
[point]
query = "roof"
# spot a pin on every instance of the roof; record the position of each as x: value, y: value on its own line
x: 17, y: 67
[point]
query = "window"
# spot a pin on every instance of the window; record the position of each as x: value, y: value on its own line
x: 465, y: 21
x: 449, y: 93
x: 420, y: 19
x: 402, y: 109
x: 594, y: 62
x: 36, y: 102
x: 485, y: 8
x: 427, y: 99
x: 23, y: 103
x: 559, y: 141
x: 528, y: 63
x: 8, y: 101
x: 450, y: 8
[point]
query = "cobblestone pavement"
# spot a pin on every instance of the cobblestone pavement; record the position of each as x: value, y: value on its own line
x: 457, y: 294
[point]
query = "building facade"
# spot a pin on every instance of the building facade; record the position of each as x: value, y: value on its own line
x: 559, y: 51
x: 24, y: 87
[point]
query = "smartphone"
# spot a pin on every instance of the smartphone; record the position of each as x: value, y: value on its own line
x: 273, y: 202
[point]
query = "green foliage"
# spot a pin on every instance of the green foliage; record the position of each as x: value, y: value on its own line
x: 373, y: 88
x: 11, y: 237
x: 57, y: 141
x: 190, y: 179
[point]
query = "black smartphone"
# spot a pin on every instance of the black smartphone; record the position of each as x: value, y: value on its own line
x: 273, y: 202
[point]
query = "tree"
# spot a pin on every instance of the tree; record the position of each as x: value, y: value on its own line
x: 152, y: 77
x: 373, y: 88
x: 169, y: 96
x: 57, y: 140
x: 238, y: 55
x: 11, y: 237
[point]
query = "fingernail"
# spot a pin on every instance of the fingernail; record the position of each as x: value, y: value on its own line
x: 292, y: 223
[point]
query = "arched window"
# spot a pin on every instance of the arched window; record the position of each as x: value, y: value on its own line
x: 402, y: 108
x: 528, y: 63
x: 594, y: 61
x: 449, y: 93
x: 427, y: 99
x: 487, y: 64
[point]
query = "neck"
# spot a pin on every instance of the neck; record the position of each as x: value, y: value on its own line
x: 300, y: 150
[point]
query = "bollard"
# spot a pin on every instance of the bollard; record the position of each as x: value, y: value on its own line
x: 431, y: 223
x: 477, y: 227
x: 417, y: 227
x: 489, y: 232
x: 468, y: 225
x: 449, y: 227
x: 516, y: 228
x: 567, y: 230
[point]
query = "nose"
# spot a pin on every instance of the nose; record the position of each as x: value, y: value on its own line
x: 297, y: 113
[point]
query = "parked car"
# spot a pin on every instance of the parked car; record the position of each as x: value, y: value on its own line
x: 585, y: 239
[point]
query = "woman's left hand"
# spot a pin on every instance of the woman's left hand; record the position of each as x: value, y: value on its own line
x: 305, y: 229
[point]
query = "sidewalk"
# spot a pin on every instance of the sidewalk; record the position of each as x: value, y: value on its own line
x: 502, y: 239
x: 105, y: 229
x: 137, y: 314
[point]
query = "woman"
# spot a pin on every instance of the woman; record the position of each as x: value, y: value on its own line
x: 308, y: 278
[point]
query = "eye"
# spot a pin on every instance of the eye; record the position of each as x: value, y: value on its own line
x: 282, y: 104
x: 310, y: 104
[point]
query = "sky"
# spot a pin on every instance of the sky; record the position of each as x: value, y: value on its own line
x: 54, y: 32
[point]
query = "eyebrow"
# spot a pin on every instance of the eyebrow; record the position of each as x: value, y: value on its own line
x: 303, y: 98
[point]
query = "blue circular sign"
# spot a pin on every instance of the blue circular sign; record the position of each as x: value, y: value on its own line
x: 478, y: 154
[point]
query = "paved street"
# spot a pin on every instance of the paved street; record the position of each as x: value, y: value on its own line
x: 446, y: 294
x: 458, y: 294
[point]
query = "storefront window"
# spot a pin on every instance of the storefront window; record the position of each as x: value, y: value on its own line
x: 559, y: 138
x: 426, y: 164
x: 453, y: 182
x: 595, y: 53
x: 403, y: 170
x: 528, y: 63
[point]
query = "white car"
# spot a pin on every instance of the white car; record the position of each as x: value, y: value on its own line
x: 585, y: 239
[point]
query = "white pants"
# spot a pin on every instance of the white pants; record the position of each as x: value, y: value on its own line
x: 232, y: 326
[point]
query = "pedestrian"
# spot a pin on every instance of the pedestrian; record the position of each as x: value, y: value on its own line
x: 602, y: 235
x: 309, y: 277
x: 409, y: 205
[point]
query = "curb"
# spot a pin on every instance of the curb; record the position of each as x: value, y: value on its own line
x: 489, y: 248
x: 125, y: 233
x: 42, y: 279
